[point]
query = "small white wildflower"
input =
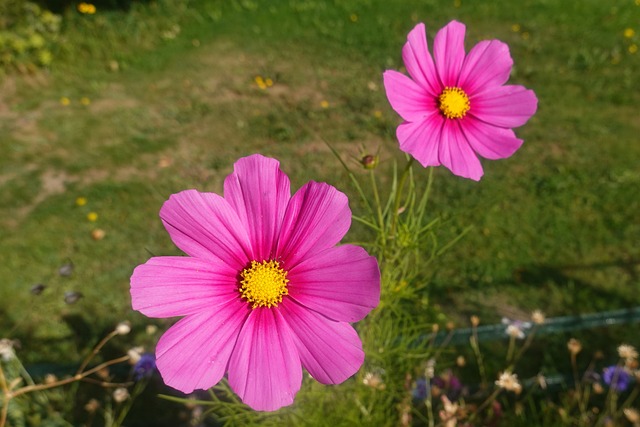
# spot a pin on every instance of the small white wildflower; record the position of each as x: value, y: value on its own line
x: 120, y: 394
x: 429, y: 371
x: 135, y: 354
x: 515, y: 328
x: 538, y: 317
x: 373, y: 380
x: 6, y: 349
x: 627, y: 352
x: 542, y: 381
x: 123, y: 328
x: 448, y: 412
x: 509, y: 381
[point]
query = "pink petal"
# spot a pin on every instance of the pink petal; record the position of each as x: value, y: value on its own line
x: 194, y: 353
x: 506, y: 106
x: 259, y: 192
x: 178, y: 286
x: 342, y: 283
x: 205, y: 226
x: 265, y: 368
x: 330, y: 351
x: 418, y: 61
x: 487, y: 65
x: 317, y: 217
x: 422, y: 138
x: 448, y: 51
x: 456, y: 153
x: 408, y: 99
x: 489, y: 141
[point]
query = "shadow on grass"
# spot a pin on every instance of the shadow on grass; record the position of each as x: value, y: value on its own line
x: 567, y: 277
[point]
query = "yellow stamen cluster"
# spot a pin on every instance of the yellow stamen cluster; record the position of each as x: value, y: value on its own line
x: 453, y: 102
x: 263, y: 284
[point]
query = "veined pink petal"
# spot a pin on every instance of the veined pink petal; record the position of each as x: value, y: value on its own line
x: 448, y: 51
x: 205, y: 226
x: 487, y: 65
x: 408, y: 99
x: 194, y: 353
x: 489, y: 141
x: 330, y: 351
x: 178, y: 286
x: 265, y: 368
x: 505, y: 106
x: 342, y: 283
x: 317, y: 218
x: 456, y: 153
x: 418, y: 61
x: 259, y: 192
x: 422, y: 138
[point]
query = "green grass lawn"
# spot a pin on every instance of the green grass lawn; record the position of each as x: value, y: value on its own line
x: 172, y: 101
x: 558, y: 219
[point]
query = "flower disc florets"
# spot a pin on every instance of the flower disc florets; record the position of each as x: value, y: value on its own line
x: 264, y: 283
x: 453, y: 103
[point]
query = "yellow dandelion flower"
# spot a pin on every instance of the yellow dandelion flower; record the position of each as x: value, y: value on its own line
x: 633, y: 48
x: 637, y: 2
x: 629, y: 32
x: 85, y: 101
x: 353, y: 17
x: 81, y: 201
x: 377, y: 114
x: 268, y: 82
x: 324, y: 103
x: 86, y: 8
x: 515, y: 28
x: 65, y: 101
x: 260, y: 82
x: 92, y: 216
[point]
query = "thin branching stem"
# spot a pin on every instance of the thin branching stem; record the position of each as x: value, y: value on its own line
x: 77, y: 377
x: 95, y: 351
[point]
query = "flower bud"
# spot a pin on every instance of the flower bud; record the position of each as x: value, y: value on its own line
x: 369, y: 161
x: 574, y: 346
x: 123, y: 328
x: 120, y: 394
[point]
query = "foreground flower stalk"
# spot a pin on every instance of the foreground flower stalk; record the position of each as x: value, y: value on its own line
x: 456, y: 106
x: 264, y: 290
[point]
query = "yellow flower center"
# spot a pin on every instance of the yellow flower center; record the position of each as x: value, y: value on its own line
x: 453, y: 102
x: 263, y: 284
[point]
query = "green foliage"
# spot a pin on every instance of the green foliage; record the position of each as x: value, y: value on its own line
x: 173, y: 103
x: 29, y: 35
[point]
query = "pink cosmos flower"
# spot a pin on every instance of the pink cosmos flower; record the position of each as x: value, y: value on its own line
x: 455, y: 105
x: 265, y: 290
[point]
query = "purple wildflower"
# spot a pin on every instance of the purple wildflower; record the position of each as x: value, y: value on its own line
x: 616, y: 377
x: 145, y: 367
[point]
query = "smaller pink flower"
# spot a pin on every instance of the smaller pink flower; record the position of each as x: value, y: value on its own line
x: 264, y: 290
x: 455, y: 106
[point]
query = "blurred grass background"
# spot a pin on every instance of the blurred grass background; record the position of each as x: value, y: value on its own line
x: 143, y: 101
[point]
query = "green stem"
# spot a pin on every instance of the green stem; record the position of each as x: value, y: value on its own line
x: 7, y: 398
x: 396, y: 204
x: 376, y: 197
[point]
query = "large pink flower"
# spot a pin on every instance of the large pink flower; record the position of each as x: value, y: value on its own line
x: 265, y: 290
x: 455, y: 105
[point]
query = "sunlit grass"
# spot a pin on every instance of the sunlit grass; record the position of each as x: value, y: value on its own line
x: 174, y: 100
